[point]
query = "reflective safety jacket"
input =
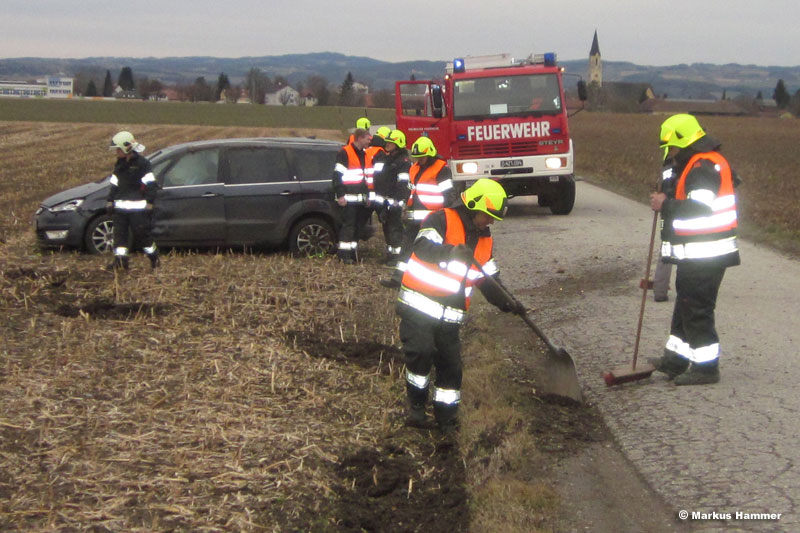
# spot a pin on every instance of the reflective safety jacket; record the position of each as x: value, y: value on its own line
x: 133, y: 184
x: 392, y: 180
x: 349, y: 175
x: 431, y: 189
x: 702, y: 224
x: 435, y: 285
x: 373, y: 164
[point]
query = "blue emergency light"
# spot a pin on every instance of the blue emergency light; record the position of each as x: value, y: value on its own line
x: 458, y: 65
x: 550, y: 59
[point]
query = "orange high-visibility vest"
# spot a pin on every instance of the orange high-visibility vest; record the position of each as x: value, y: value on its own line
x: 425, y: 191
x: 443, y: 290
x: 704, y: 235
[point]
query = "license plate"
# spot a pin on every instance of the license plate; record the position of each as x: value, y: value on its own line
x: 511, y: 163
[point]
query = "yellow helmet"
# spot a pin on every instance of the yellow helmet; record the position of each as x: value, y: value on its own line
x: 488, y: 196
x: 363, y: 123
x: 124, y: 141
x: 423, y: 147
x: 397, y: 137
x: 383, y: 132
x: 680, y: 130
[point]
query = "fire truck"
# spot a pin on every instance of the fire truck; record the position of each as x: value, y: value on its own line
x: 499, y: 118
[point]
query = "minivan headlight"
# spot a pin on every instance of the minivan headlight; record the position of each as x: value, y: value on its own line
x: 71, y: 205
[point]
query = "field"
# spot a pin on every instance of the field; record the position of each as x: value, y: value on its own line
x: 256, y: 391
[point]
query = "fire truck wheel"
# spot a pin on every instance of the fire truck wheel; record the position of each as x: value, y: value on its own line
x: 543, y: 199
x: 564, y: 199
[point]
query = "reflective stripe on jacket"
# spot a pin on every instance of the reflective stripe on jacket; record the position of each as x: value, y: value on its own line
x: 704, y: 235
x: 443, y: 290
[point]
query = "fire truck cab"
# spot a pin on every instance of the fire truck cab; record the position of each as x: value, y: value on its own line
x: 497, y: 118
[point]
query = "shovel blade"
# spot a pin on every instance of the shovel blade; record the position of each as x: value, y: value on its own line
x: 562, y: 376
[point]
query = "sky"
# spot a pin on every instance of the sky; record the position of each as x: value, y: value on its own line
x: 642, y: 32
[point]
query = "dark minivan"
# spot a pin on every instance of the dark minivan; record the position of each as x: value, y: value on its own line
x: 261, y: 192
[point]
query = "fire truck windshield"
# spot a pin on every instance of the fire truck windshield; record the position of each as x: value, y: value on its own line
x: 493, y: 97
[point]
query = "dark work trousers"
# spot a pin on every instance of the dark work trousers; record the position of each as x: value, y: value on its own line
x: 136, y: 224
x: 427, y: 344
x: 354, y: 221
x: 392, y: 221
x: 410, y: 230
x: 697, y: 287
x: 661, y: 278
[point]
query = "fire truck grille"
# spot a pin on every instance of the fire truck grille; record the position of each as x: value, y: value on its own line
x: 498, y: 149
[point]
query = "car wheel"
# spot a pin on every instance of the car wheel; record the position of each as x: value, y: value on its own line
x: 312, y: 237
x: 564, y: 199
x: 99, y: 238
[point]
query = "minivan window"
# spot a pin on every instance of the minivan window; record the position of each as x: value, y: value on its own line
x: 257, y: 165
x: 192, y: 168
x: 314, y: 165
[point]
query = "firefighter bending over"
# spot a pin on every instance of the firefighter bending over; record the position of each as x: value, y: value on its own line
x: 435, y: 296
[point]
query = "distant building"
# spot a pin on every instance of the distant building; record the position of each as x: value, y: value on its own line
x: 283, y: 96
x: 667, y: 106
x: 50, y: 87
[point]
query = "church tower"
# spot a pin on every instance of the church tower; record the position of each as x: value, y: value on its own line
x: 595, y: 63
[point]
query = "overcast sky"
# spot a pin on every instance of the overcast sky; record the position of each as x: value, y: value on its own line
x: 644, y: 32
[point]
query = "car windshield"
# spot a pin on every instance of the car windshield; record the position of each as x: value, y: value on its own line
x: 507, y: 96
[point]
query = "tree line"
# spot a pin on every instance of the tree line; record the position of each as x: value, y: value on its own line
x: 255, y: 86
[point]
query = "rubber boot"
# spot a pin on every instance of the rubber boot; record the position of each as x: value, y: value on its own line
x: 417, y: 399
x: 700, y: 374
x: 446, y: 416
x: 120, y: 262
x: 670, y: 364
x: 155, y: 261
x: 346, y: 257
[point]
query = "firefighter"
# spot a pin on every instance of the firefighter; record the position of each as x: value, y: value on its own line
x: 435, y: 296
x: 391, y: 192
x: 698, y: 212
x: 130, y: 201
x: 350, y: 188
x: 376, y: 153
x: 431, y: 189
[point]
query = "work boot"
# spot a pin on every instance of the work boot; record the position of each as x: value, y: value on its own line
x: 700, y: 374
x: 415, y: 415
x: 119, y: 263
x: 155, y: 262
x: 390, y: 283
x: 670, y: 364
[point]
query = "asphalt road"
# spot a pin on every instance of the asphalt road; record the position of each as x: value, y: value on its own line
x: 712, y: 451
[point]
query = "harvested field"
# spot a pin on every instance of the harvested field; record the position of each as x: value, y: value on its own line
x: 234, y: 390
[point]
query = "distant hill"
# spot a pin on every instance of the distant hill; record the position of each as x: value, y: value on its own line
x: 698, y: 80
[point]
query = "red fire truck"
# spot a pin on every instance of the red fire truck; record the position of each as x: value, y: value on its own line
x: 498, y: 118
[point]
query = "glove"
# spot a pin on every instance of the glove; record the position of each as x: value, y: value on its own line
x: 109, y: 208
x: 511, y: 306
x: 462, y: 253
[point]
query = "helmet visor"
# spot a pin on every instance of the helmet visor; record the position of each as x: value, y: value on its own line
x: 500, y: 212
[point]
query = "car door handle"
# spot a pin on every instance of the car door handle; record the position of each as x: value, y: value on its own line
x: 287, y: 193
x: 210, y: 195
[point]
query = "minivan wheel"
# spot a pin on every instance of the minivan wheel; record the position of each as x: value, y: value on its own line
x: 312, y: 237
x: 99, y: 237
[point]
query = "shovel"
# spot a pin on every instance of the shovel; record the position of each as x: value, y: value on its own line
x: 562, y: 377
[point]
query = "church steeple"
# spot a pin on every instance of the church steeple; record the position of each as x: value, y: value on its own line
x: 595, y: 63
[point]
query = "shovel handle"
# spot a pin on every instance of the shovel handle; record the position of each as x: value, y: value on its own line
x: 524, y: 315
